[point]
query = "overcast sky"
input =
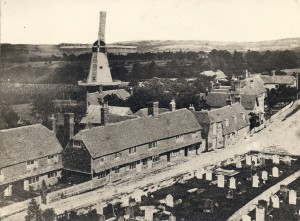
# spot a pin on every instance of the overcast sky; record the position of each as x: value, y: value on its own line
x: 76, y: 21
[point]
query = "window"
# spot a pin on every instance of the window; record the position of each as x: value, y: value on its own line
x: 34, y: 179
x: 102, y: 159
x: 52, y: 174
x: 175, y: 153
x: 30, y: 162
x: 155, y: 158
x: 132, y: 165
x: 132, y: 150
x: 227, y: 122
x: 53, y: 158
x: 145, y: 161
x: 214, y: 127
x: 179, y: 138
x: 76, y: 143
x: 153, y: 144
x: 195, y: 134
x: 243, y: 116
x: 235, y: 119
x: 117, y: 169
x: 100, y: 67
x: 117, y: 155
x: 102, y: 175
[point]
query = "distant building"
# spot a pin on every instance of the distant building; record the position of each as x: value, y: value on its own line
x: 222, y: 126
x: 29, y: 156
x: 274, y: 81
x: 219, y: 75
x: 119, y: 150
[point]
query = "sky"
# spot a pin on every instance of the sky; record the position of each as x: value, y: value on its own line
x: 77, y: 21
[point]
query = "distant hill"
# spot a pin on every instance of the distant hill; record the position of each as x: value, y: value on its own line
x: 175, y: 45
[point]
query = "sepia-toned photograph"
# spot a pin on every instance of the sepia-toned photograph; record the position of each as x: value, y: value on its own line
x: 149, y: 110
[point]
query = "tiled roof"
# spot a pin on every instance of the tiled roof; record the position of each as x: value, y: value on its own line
x: 221, y: 114
x: 253, y: 85
x: 290, y: 80
x: 291, y: 71
x: 248, y: 101
x: 27, y: 143
x: 217, y: 99
x: 115, y: 114
x: 115, y: 137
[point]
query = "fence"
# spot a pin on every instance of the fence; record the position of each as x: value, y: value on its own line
x: 17, y: 207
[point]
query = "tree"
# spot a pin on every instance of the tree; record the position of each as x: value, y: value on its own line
x: 8, y: 117
x: 49, y: 215
x: 34, y: 213
x: 42, y: 107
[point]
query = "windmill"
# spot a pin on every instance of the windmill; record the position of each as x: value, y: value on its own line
x: 99, y: 72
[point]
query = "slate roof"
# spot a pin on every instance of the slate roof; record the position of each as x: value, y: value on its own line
x: 104, y: 140
x: 116, y: 114
x: 27, y: 143
x: 144, y: 112
x: 287, y: 80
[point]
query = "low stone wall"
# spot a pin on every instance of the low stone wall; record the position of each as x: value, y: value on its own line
x: 273, y: 117
x: 17, y: 207
x: 237, y: 216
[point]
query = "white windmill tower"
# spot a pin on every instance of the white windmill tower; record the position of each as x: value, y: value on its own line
x: 99, y: 72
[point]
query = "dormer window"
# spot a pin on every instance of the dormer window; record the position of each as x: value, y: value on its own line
x: 53, y: 158
x: 153, y: 144
x: 31, y: 164
x: 76, y: 143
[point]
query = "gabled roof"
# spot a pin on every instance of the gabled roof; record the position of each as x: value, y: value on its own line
x: 115, y: 114
x: 253, y: 86
x: 104, y: 140
x: 144, y: 112
x: 221, y: 114
x: 278, y: 79
x: 27, y: 143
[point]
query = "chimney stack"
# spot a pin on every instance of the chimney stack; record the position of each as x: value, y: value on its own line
x: 69, y: 125
x: 104, y: 114
x: 211, y: 86
x: 155, y: 109
x: 53, y: 122
x: 131, y: 90
x: 247, y: 74
x: 228, y: 101
x: 218, y: 84
x: 173, y: 105
x: 273, y: 74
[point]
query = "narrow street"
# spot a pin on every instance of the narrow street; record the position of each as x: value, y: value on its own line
x: 282, y: 134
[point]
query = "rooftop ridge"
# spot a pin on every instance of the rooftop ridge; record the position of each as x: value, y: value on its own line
x: 19, y: 128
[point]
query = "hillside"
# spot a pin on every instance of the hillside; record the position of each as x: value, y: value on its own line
x: 174, y: 45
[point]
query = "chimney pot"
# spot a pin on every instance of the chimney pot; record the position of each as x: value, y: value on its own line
x: 54, y: 122
x: 155, y: 109
x: 173, y: 105
x: 104, y: 114
x: 228, y: 102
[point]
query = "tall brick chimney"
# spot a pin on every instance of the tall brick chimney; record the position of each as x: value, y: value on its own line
x: 238, y: 98
x: 228, y: 101
x: 104, y: 114
x: 173, y: 105
x: 69, y: 125
x: 155, y: 108
x: 54, y: 122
